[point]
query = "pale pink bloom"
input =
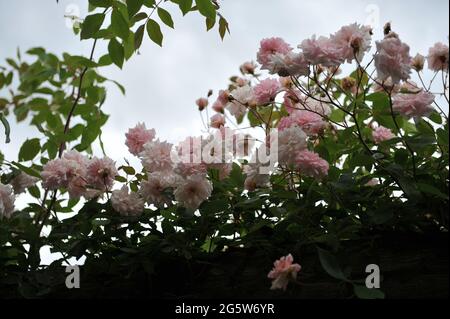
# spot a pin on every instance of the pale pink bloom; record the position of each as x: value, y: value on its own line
x: 438, y: 57
x: 218, y: 106
x: 290, y: 141
x: 101, y: 173
x: 248, y: 68
x: 266, y: 91
x: 193, y: 191
x: 155, y: 189
x: 190, y: 150
x: 310, y: 164
x: 241, y: 81
x: 414, y: 105
x: 137, y: 137
x: 54, y: 174
x: 386, y: 86
x: 373, y: 182
x: 392, y: 60
x: 418, y: 62
x: 381, y: 134
x: 283, y: 272
x: 23, y: 181
x: 323, y: 51
x: 311, y: 123
x: 76, y: 157
x: 294, y: 100
x: 189, y: 169
x: 223, y: 96
x: 222, y: 101
x: 7, y: 200
x: 217, y: 121
x: 127, y: 203
x: 242, y: 98
x: 156, y: 156
x: 68, y: 172
x: 269, y: 47
x: 290, y: 64
x: 354, y: 41
x: 202, y: 103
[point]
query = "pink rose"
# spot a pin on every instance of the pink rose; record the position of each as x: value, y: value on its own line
x: 310, y: 164
x: 381, y: 134
x: 283, y: 272
x: 414, y: 105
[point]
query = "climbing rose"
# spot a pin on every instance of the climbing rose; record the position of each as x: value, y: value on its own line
x: 255, y: 178
x: 23, y: 181
x: 310, y: 164
x: 193, y: 191
x: 6, y: 201
x: 392, y: 59
x: 290, y: 64
x: 414, y: 105
x: 381, y: 134
x: 269, y: 47
x: 67, y: 172
x: 248, y: 68
x: 266, y: 91
x: 418, y: 62
x: 242, y: 97
x: 156, y: 156
x: 290, y: 141
x: 283, y: 272
x: 101, y: 173
x: 189, y: 169
x: 311, y: 123
x: 438, y: 57
x: 127, y: 204
x: 137, y: 137
x: 353, y: 40
x: 202, y: 103
x: 153, y: 190
x: 323, y: 51
x: 294, y: 100
x: 217, y: 121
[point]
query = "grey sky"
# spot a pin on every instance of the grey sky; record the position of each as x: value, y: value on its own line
x: 162, y: 84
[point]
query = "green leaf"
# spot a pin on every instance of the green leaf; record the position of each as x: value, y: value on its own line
x: 119, y: 25
x: 165, y: 17
x: 6, y: 126
x: 185, y: 6
x: 154, y: 32
x: 206, y: 8
x: 139, y: 36
x: 210, y: 23
x: 101, y: 3
x: 28, y: 170
x: 134, y: 6
x: 331, y: 265
x: 223, y: 27
x: 116, y: 52
x: 29, y: 150
x: 430, y: 189
x: 363, y: 292
x: 149, y: 3
x: 91, y: 25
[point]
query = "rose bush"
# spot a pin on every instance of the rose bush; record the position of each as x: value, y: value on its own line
x: 328, y: 158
